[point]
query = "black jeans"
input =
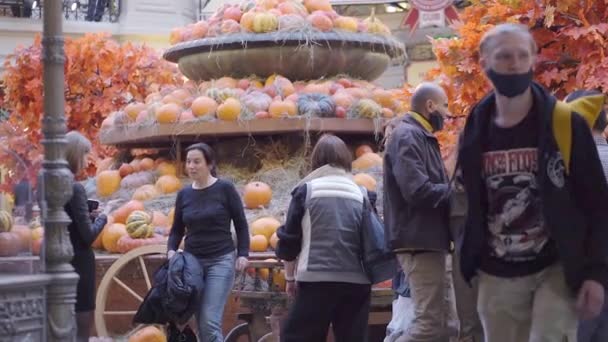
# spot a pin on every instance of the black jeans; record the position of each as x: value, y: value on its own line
x: 344, y: 305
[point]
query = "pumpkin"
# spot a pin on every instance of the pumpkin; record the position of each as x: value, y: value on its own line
x: 343, y: 99
x: 283, y: 86
x: 37, y: 233
x: 247, y: 21
x: 258, y: 243
x: 266, y: 226
x: 186, y: 116
x: 279, y: 109
x: 159, y: 219
x: 220, y: 95
x: 230, y: 26
x: 127, y: 243
x: 320, y: 21
x: 230, y: 110
x: 181, y: 94
x: 274, y: 240
x: 256, y: 101
x: 108, y: 182
x: 268, y: 4
x: 10, y: 244
x: 256, y: 195
x: 317, y: 5
x: 168, y: 113
x: 383, y: 97
x: 166, y: 168
x: 135, y: 164
x: 138, y: 225
x: 37, y: 246
x: 316, y: 88
x: 366, y: 181
x: 265, y: 22
x: 136, y: 180
x: 149, y: 333
x: 112, y: 233
x: 203, y: 105
x: 120, y: 215
x: 388, y: 113
x: 168, y: 184
x: 233, y: 13
x: 349, y: 24
x: 362, y: 149
x: 199, y: 30
x: 146, y: 164
x: 24, y: 233
x: 6, y: 221
x: 367, y: 161
x: 279, y: 279
x: 365, y: 108
x: 320, y: 105
x: 374, y: 25
x: 145, y: 193
x: 125, y: 170
x: 133, y: 109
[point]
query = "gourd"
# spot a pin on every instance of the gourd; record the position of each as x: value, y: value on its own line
x: 316, y: 105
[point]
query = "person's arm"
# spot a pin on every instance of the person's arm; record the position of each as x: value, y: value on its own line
x: 290, y: 234
x: 235, y: 205
x: 79, y: 214
x: 177, y: 229
x: 410, y: 173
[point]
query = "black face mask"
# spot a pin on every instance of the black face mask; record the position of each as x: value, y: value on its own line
x: 510, y: 85
x: 436, y: 121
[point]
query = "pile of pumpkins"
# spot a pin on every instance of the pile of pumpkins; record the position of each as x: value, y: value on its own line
x: 19, y: 239
x: 263, y: 16
x: 231, y: 99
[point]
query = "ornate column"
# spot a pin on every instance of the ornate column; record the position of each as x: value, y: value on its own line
x: 57, y: 183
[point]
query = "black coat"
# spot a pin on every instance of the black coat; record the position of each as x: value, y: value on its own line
x: 175, y: 296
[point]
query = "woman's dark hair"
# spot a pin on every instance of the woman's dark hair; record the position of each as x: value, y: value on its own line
x: 601, y: 122
x: 333, y: 151
x: 208, y: 154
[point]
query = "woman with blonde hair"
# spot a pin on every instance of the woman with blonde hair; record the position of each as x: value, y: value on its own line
x: 84, y: 229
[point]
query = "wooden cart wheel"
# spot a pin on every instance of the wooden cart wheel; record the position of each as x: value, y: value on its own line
x: 111, y: 278
x: 238, y: 332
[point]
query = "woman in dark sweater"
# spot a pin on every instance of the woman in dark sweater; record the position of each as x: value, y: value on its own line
x: 203, y: 213
x: 82, y: 234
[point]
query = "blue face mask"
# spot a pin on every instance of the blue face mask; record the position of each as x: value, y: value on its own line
x: 510, y: 85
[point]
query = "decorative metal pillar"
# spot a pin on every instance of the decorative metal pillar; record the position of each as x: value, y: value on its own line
x: 57, y: 183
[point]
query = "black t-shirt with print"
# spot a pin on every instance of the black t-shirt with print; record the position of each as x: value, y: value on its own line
x: 518, y: 243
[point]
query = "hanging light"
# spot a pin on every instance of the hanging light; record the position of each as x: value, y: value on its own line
x: 75, y: 5
x: 34, y: 5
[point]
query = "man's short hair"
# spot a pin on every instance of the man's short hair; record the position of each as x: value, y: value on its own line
x: 508, y: 28
x: 601, y: 122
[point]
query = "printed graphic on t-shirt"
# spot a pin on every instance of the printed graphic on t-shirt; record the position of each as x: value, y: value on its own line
x: 514, y: 215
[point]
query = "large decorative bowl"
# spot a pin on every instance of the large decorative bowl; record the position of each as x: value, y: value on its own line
x: 295, y: 55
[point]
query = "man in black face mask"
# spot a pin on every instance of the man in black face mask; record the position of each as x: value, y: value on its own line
x: 416, y: 210
x: 536, y: 233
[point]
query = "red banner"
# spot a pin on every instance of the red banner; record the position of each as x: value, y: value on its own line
x: 432, y: 8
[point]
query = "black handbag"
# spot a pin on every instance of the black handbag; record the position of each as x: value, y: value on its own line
x: 176, y: 335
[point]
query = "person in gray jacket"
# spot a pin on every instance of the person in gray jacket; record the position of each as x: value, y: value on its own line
x: 416, y: 193
x: 322, y: 235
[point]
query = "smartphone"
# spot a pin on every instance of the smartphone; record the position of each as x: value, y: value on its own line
x: 93, y: 205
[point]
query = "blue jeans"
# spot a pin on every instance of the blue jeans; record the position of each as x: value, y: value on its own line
x: 219, y: 277
x: 595, y: 330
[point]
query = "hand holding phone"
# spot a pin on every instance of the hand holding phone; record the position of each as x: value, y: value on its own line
x: 93, y: 205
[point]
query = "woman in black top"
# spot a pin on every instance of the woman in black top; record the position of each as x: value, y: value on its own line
x: 203, y: 213
x: 82, y: 234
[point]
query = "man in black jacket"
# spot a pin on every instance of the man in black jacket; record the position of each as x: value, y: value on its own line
x: 536, y: 231
x: 415, y: 210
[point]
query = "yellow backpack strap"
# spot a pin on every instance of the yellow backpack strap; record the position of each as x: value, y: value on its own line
x: 562, y: 131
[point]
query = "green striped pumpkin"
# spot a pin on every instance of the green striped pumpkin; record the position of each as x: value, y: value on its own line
x: 138, y: 225
x: 6, y: 221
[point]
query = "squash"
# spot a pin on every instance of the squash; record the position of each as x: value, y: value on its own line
x: 258, y: 243
x: 203, y: 105
x: 320, y: 105
x: 375, y: 26
x: 149, y: 333
x: 146, y: 164
x: 145, y: 193
x: 292, y: 22
x: 127, y: 243
x: 317, y: 5
x: 365, y: 108
x: 6, y: 221
x: 230, y: 110
x: 279, y: 109
x: 186, y: 116
x: 125, y: 170
x: 283, y: 86
x: 220, y: 95
x: 230, y: 26
x: 121, y: 214
x: 24, y: 233
x: 247, y: 21
x: 366, y: 181
x: 265, y: 22
x: 10, y: 244
x: 362, y: 149
x: 136, y: 180
x: 37, y: 246
x: 266, y: 226
x: 256, y: 195
x: 168, y: 113
x: 111, y: 235
x: 199, y: 30
x: 274, y: 240
x: 108, y: 182
x: 166, y: 168
x: 383, y: 97
x: 133, y: 109
x: 256, y: 101
x: 168, y: 184
x: 343, y: 99
x: 159, y: 220
x: 233, y: 13
x: 138, y: 225
x: 367, y: 161
x: 320, y: 21
x: 348, y: 24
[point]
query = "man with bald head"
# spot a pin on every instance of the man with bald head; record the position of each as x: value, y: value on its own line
x: 535, y: 236
x: 416, y: 195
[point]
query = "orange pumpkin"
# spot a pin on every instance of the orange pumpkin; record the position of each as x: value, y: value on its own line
x: 135, y: 164
x: 343, y: 99
x: 383, y: 97
x: 230, y: 110
x: 266, y: 226
x: 317, y: 5
x: 274, y: 240
x: 258, y: 243
x: 362, y: 149
x: 121, y: 214
x: 225, y: 82
x: 388, y: 113
x: 168, y: 184
x: 166, y: 168
x: 168, y: 113
x: 367, y: 161
x: 203, y: 105
x: 125, y: 170
x: 247, y: 21
x: 108, y: 182
x: 349, y: 24
x: 37, y: 246
x: 159, y: 219
x: 279, y: 109
x: 6, y: 221
x: 366, y: 181
x: 145, y: 192
x: 111, y: 235
x: 256, y: 195
x: 146, y: 164
x: 133, y: 109
x: 199, y: 30
x: 320, y: 21
x: 37, y: 233
x: 149, y: 333
x: 24, y: 233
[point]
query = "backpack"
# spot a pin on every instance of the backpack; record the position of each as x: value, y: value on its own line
x: 589, y: 107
